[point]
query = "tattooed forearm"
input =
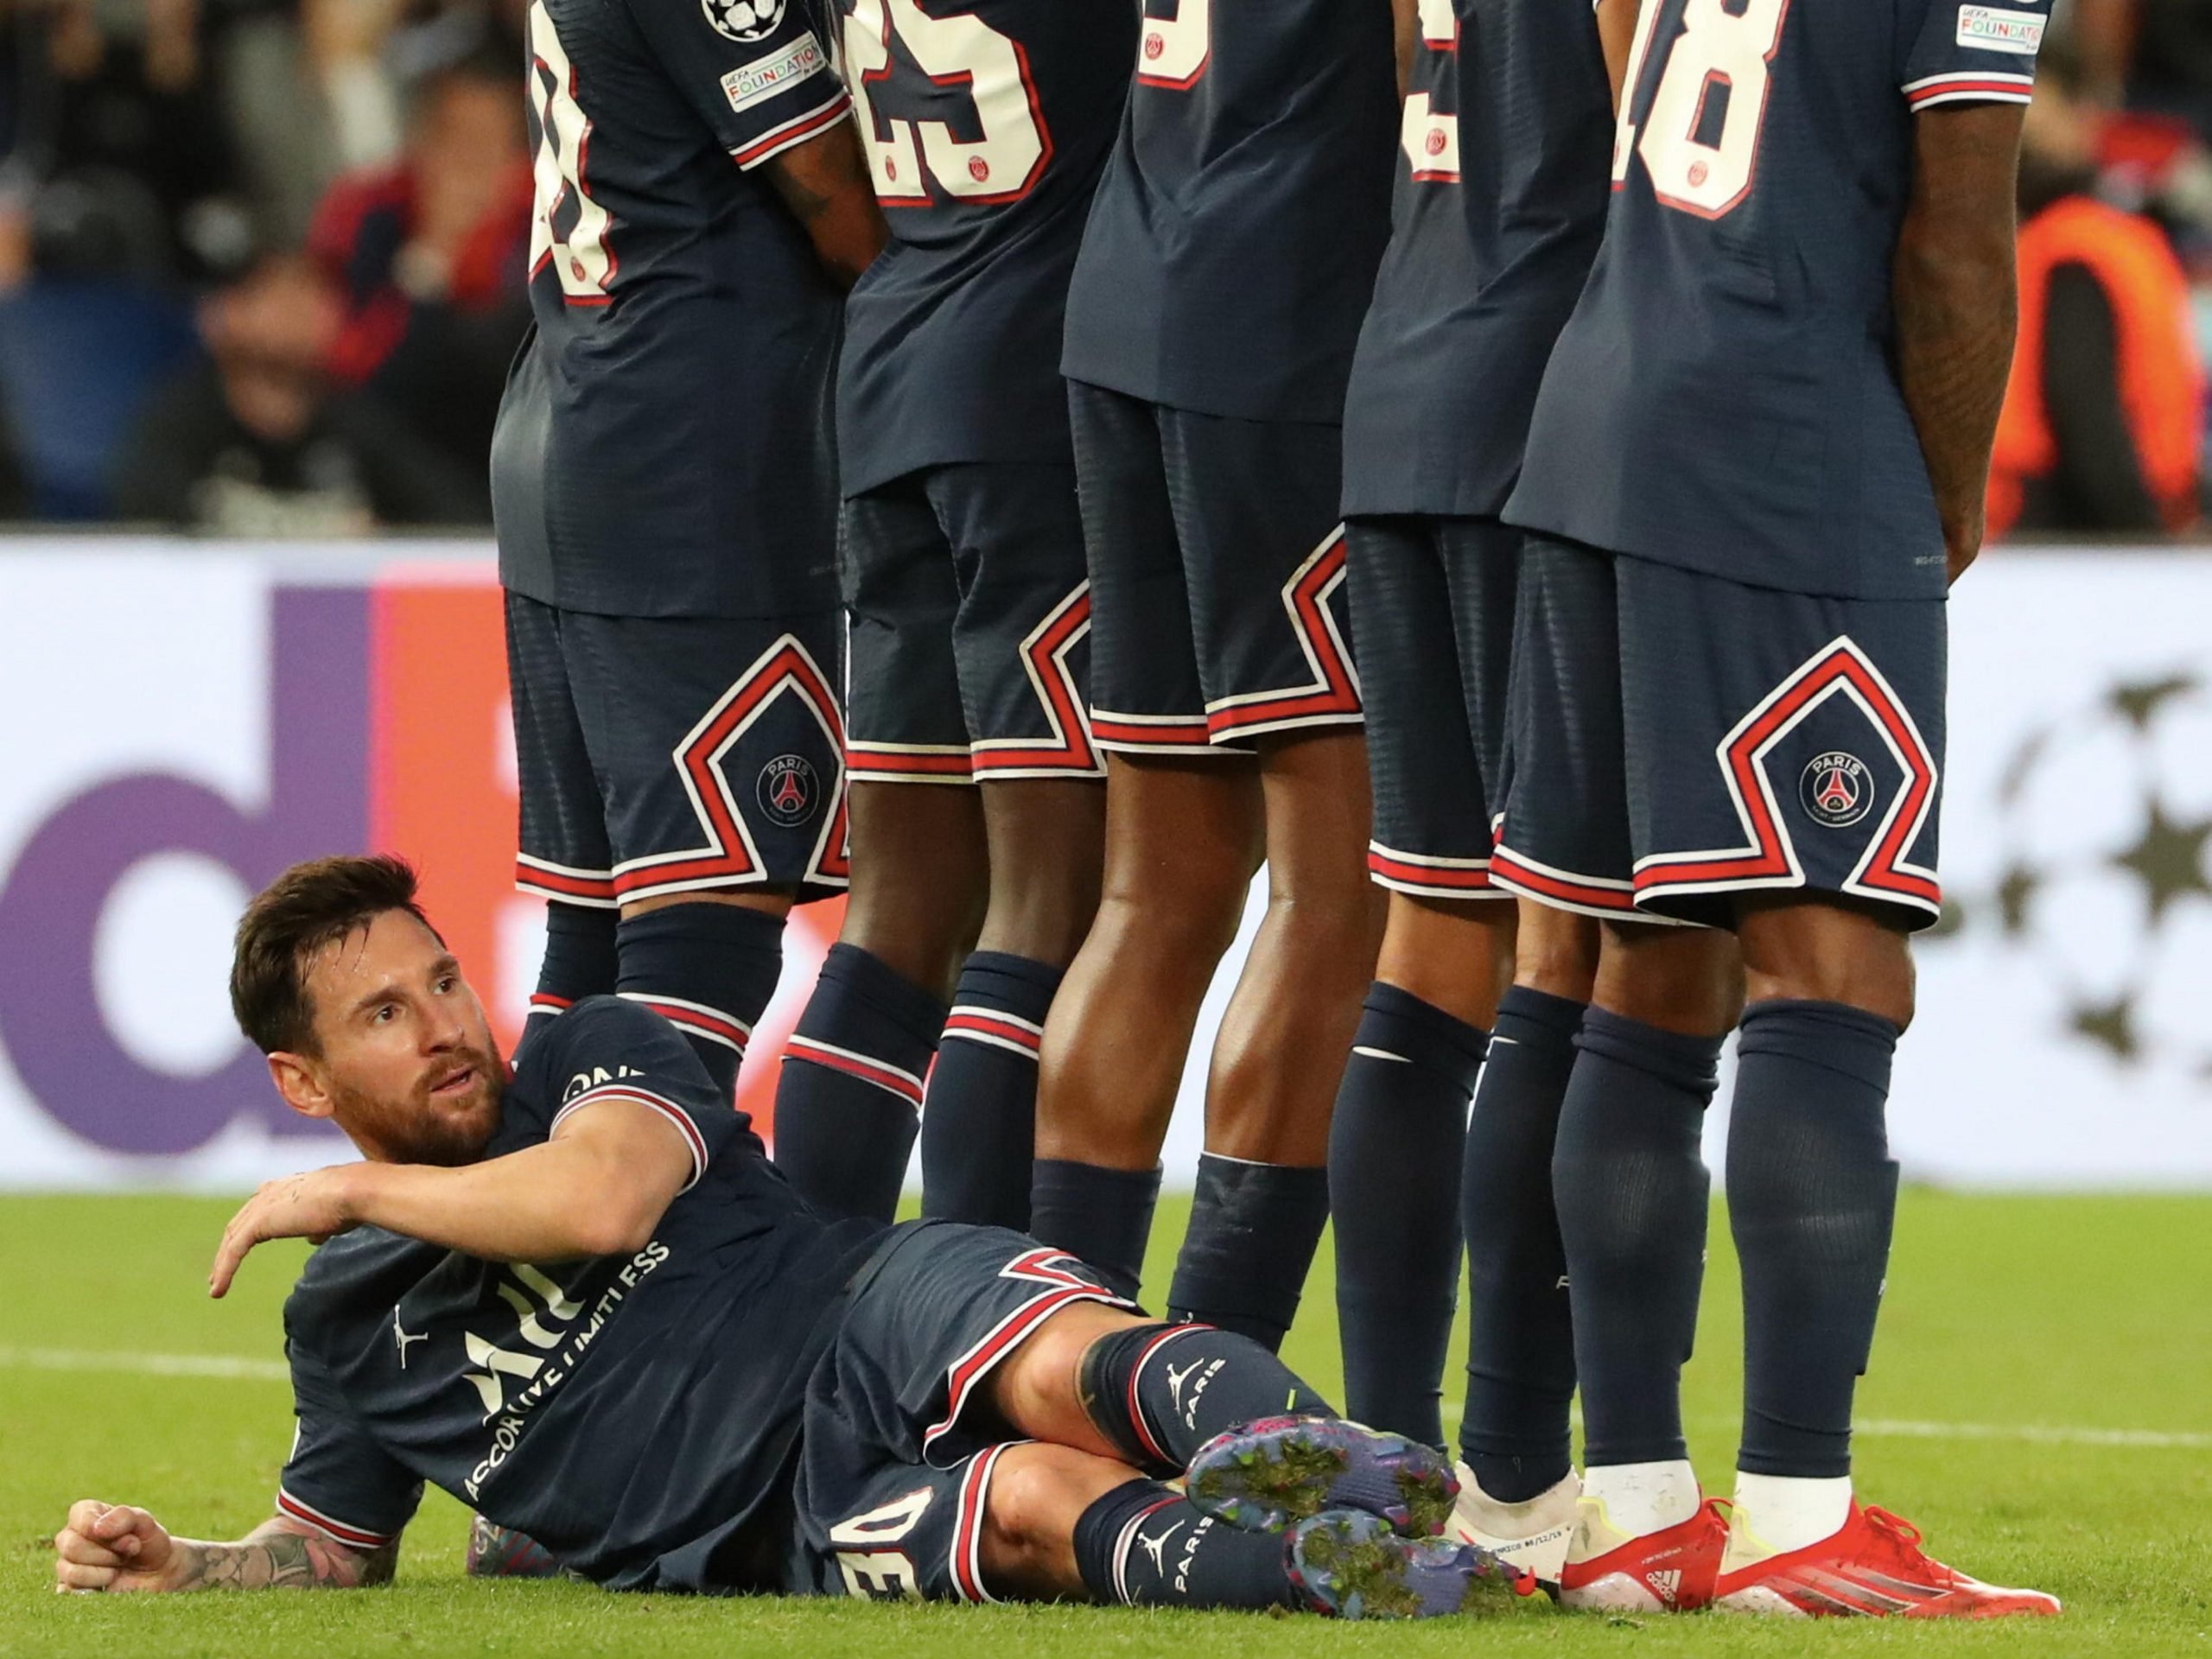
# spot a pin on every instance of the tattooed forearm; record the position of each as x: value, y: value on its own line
x: 271, y: 1559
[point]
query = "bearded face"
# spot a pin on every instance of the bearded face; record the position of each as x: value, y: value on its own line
x: 405, y: 1064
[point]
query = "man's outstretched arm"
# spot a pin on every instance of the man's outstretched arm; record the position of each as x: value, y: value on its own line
x: 113, y: 1549
x: 599, y: 1187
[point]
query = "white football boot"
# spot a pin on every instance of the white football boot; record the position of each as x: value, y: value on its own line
x: 1531, y: 1535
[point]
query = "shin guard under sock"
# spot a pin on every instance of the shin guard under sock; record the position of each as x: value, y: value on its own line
x: 1812, y: 1196
x: 1160, y: 1392
x: 1631, y: 1191
x: 1254, y: 1229
x: 979, y: 1123
x: 1102, y: 1217
x: 1395, y: 1147
x: 1514, y: 1432
x: 1141, y: 1545
x: 579, y: 961
x: 851, y: 1086
x: 709, y: 969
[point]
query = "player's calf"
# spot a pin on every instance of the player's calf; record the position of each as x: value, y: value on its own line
x: 1141, y: 1545
x: 1158, y: 1393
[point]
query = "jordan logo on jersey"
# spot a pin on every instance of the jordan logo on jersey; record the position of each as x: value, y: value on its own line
x: 1836, y: 790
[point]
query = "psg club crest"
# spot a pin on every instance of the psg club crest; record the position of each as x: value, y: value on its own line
x: 743, y: 20
x: 789, y: 790
x: 1835, y: 788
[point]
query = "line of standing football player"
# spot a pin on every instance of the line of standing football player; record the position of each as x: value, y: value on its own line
x: 1521, y: 529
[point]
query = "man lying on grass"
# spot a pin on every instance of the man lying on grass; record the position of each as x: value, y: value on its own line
x: 580, y: 1300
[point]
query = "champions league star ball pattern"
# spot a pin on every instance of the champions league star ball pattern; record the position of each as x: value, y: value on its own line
x: 2108, y: 815
x: 744, y: 20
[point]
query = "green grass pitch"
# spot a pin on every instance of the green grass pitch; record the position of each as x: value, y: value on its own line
x: 2041, y: 1403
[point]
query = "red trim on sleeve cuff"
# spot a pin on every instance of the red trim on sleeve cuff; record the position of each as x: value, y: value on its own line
x: 668, y: 1109
x: 1980, y: 87
x: 797, y: 130
x: 351, y: 1536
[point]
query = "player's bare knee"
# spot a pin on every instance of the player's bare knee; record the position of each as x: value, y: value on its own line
x: 1179, y: 923
x: 768, y: 901
x: 1037, y: 1391
x: 1555, y: 952
x: 1678, y: 979
x: 1041, y: 908
x: 1038, y: 1493
x: 1812, y: 950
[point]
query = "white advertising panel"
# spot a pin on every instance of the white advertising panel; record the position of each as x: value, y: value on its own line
x: 185, y: 719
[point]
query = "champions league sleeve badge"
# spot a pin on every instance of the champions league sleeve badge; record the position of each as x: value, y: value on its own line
x: 746, y: 21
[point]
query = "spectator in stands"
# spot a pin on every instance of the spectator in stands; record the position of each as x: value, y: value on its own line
x: 2147, y: 55
x: 137, y: 173
x: 255, y: 444
x: 2102, y: 428
x: 430, y: 256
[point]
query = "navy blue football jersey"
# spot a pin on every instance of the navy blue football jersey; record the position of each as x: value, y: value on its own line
x: 1500, y: 203
x: 665, y: 446
x: 1724, y: 398
x: 1232, y: 246
x: 987, y: 122
x: 638, y: 1414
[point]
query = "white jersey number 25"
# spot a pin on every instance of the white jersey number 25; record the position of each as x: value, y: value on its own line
x: 1000, y: 165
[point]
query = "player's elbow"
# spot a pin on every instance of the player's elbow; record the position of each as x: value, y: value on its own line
x: 1957, y: 263
x: 620, y: 1222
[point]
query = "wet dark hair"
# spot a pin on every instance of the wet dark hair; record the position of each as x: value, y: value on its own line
x: 309, y: 906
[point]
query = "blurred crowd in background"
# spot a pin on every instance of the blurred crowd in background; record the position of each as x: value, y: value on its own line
x: 262, y: 264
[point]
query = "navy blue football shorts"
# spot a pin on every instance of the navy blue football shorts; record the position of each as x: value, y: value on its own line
x: 1216, y: 554
x: 1432, y: 609
x: 1678, y: 740
x: 970, y: 640
x: 897, y: 1448
x: 676, y: 754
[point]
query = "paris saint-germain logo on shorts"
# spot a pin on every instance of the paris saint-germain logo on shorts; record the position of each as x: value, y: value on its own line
x: 744, y: 20
x: 789, y: 790
x: 1835, y: 788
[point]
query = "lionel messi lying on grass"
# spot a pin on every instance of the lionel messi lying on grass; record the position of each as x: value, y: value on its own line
x: 577, y: 1296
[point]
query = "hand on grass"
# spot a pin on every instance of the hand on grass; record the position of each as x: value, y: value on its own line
x: 111, y: 1548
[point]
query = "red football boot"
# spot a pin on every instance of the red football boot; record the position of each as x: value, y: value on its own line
x: 1872, y: 1566
x: 1671, y: 1571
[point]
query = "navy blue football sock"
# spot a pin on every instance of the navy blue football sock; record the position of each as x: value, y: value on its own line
x: 1254, y: 1229
x: 1394, y: 1193
x: 1160, y: 1392
x: 1100, y: 1216
x: 852, y: 1084
x: 1812, y: 1194
x: 579, y: 961
x: 979, y: 1125
x: 709, y: 969
x: 1142, y: 1545
x: 1514, y: 1432
x: 1631, y: 1191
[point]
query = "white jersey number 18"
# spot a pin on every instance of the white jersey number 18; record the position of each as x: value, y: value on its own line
x: 1430, y: 136
x: 1717, y: 52
x: 1172, y: 51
